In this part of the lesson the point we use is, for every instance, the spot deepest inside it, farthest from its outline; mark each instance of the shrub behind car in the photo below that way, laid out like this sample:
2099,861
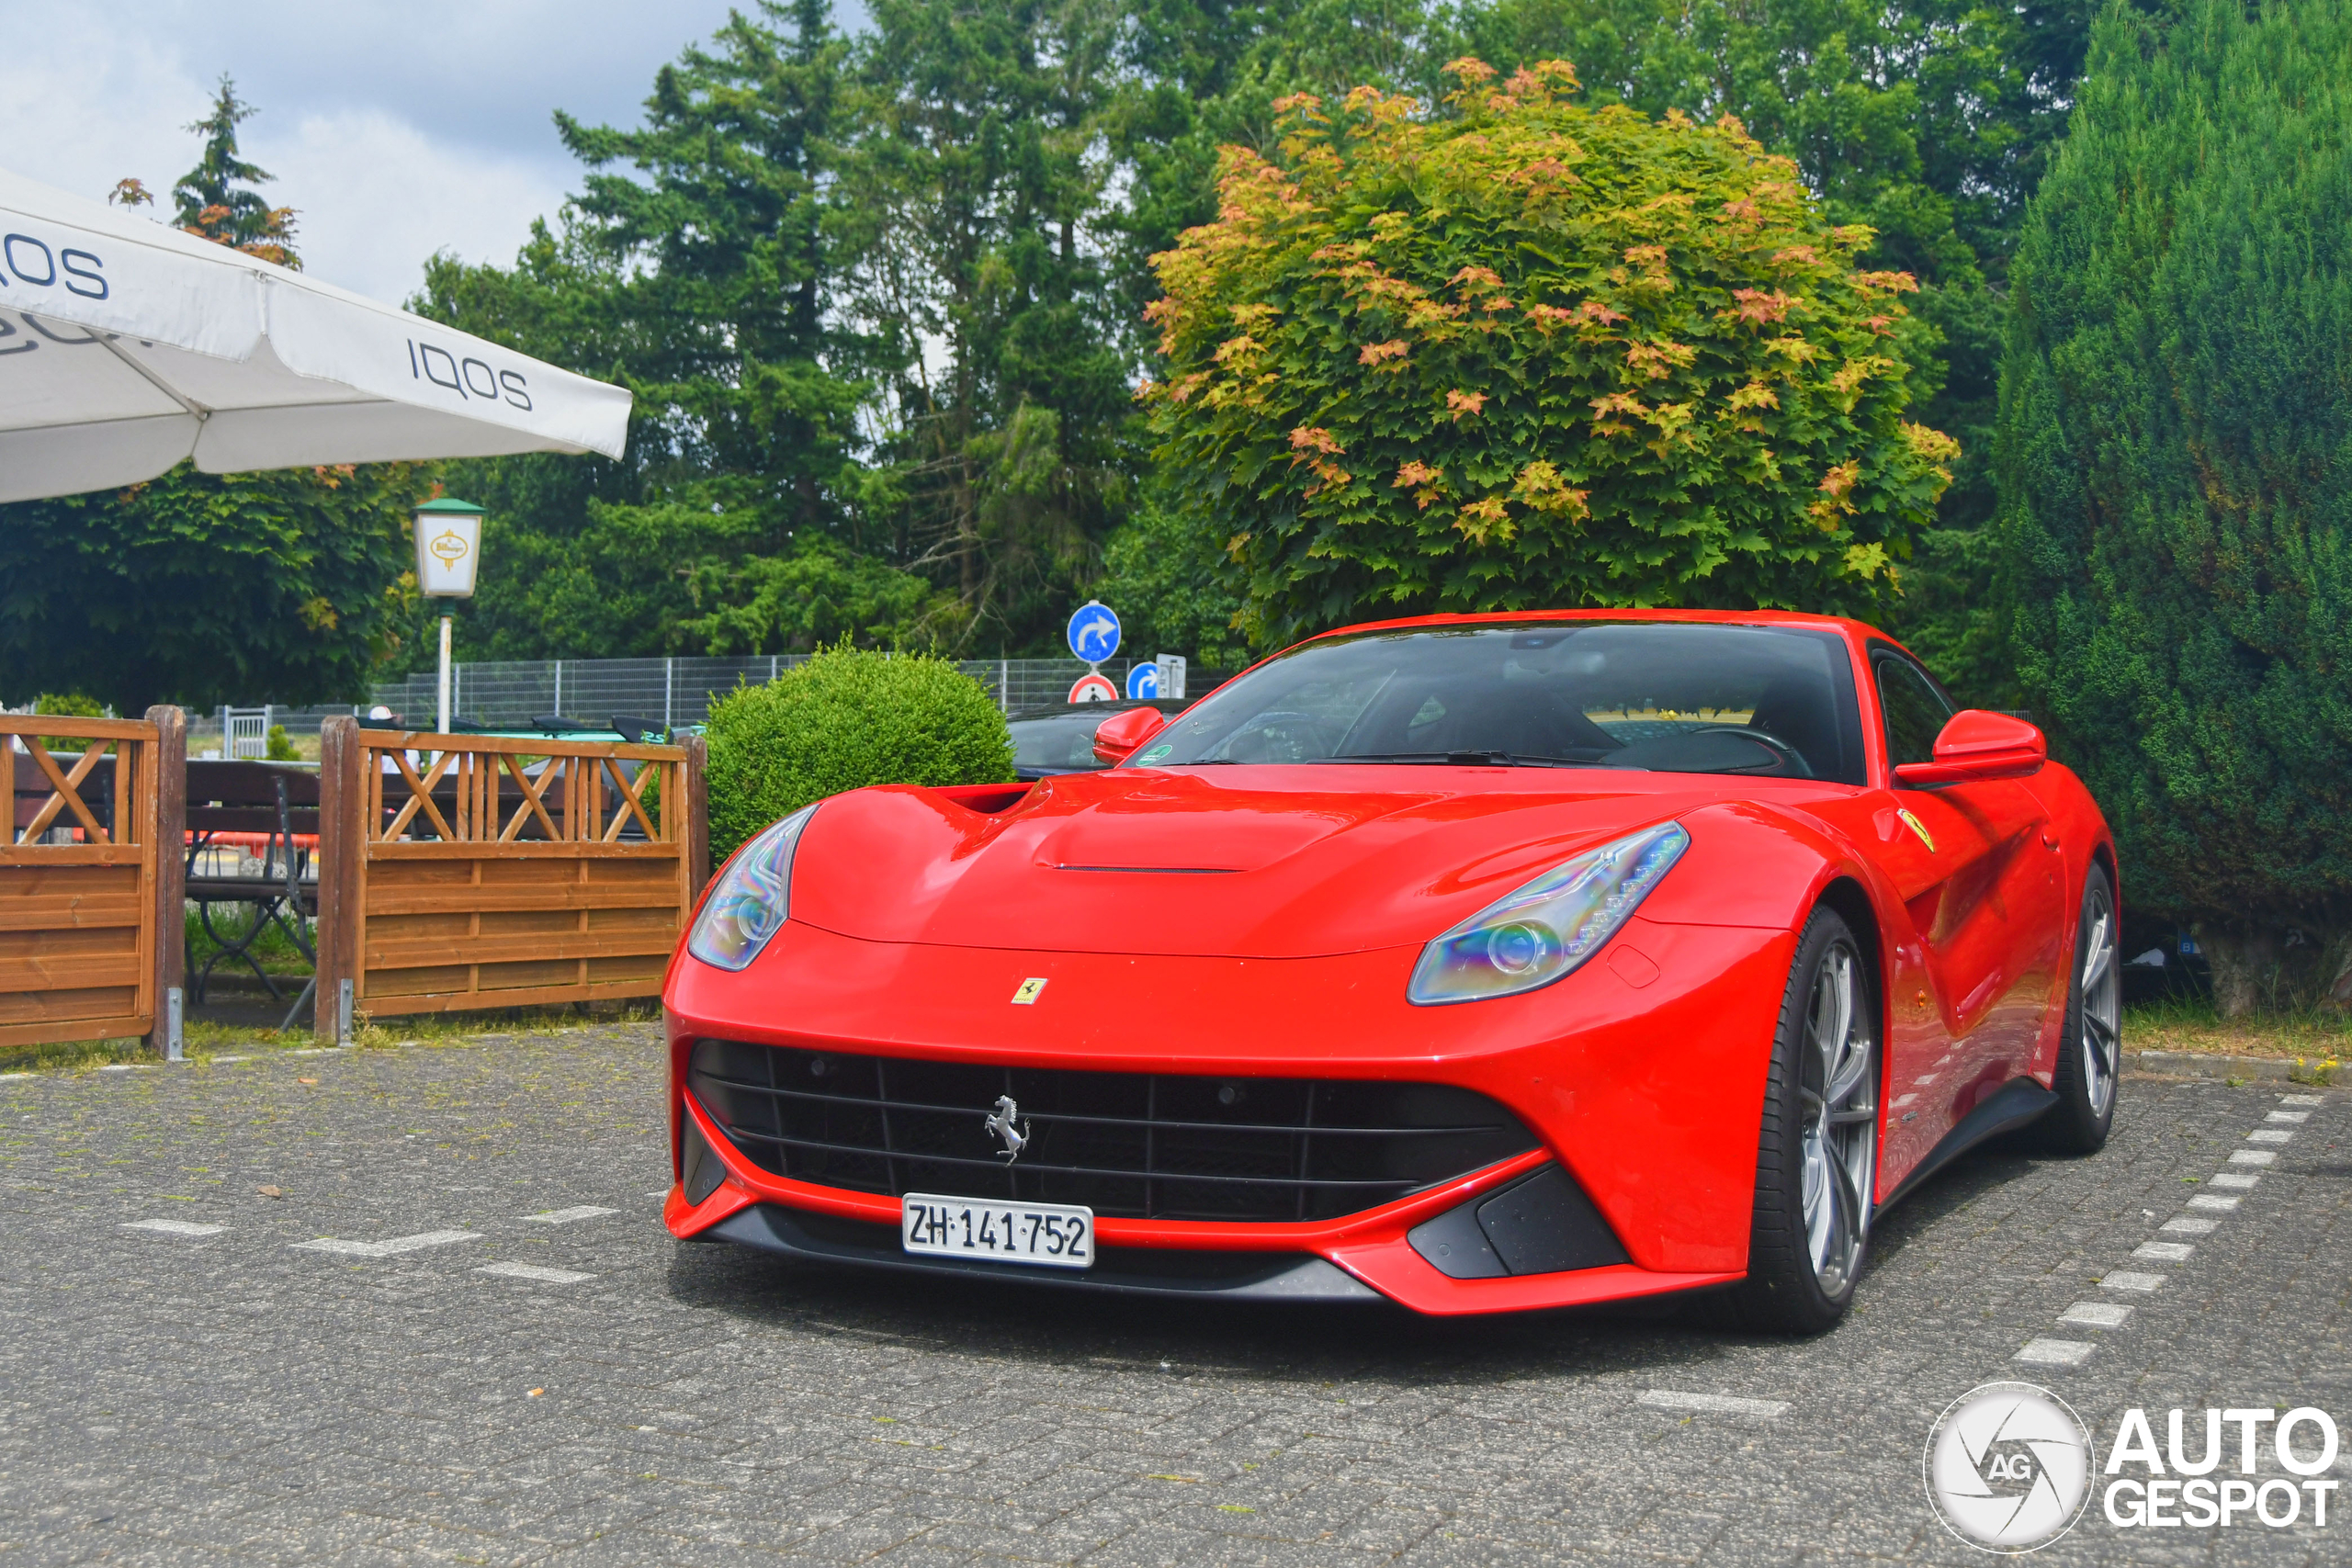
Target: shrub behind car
844,719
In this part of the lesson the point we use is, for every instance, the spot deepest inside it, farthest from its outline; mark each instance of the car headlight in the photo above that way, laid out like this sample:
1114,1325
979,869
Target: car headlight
753,895
1549,927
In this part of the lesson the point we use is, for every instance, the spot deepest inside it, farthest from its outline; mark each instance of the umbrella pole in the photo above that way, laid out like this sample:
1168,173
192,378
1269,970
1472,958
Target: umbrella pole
444,716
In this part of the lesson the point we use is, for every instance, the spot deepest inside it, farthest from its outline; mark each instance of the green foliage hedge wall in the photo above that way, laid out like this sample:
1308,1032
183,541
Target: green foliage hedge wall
2176,473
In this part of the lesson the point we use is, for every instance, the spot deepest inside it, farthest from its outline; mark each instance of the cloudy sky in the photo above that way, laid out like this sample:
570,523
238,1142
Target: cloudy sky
395,130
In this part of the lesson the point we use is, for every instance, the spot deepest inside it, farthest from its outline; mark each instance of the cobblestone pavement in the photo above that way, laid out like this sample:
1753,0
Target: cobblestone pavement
535,1371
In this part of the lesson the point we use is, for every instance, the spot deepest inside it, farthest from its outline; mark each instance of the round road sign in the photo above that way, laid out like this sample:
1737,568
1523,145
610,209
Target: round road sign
1093,632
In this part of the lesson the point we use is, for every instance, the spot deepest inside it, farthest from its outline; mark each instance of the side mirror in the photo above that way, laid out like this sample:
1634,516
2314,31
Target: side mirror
1120,736
1977,746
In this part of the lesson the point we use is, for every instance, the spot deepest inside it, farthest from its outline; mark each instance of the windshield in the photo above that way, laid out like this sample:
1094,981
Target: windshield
1058,741
1666,696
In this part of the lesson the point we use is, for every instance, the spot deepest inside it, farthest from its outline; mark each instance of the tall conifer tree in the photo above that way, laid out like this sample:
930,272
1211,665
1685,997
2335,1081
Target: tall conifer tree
2176,474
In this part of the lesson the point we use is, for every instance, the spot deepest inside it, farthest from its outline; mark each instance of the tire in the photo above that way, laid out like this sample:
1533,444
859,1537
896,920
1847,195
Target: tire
2090,1045
1816,1157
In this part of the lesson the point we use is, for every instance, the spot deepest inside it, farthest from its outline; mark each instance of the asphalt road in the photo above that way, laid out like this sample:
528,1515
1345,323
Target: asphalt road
537,1372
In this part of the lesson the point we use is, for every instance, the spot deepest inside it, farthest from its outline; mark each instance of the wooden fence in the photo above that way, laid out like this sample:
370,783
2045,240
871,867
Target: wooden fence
90,929
474,871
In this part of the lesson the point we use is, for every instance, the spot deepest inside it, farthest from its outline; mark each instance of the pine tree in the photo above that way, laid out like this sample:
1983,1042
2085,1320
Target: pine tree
974,194
2176,476
696,267
213,200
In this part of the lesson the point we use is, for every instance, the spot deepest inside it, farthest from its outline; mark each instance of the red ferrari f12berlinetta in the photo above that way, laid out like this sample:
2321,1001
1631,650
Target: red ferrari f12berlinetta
1478,962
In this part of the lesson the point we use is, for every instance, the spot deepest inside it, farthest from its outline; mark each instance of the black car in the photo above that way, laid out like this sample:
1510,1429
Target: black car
1060,739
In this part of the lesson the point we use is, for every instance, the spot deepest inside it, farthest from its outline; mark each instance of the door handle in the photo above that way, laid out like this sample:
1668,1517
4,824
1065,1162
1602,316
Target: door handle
2049,839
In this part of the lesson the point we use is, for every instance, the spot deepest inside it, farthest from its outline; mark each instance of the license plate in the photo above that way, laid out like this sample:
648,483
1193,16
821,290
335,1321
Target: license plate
1054,1235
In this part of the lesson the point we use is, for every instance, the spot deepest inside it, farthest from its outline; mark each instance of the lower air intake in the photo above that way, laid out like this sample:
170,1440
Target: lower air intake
1132,1145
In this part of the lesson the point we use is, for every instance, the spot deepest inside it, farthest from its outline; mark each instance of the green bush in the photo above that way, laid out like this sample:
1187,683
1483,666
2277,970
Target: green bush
70,705
281,746
844,719
2175,469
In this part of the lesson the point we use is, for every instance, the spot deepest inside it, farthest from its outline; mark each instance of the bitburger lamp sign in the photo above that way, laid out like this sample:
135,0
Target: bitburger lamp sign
449,547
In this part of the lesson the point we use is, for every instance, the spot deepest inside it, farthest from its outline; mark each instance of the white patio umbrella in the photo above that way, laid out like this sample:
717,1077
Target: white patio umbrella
127,345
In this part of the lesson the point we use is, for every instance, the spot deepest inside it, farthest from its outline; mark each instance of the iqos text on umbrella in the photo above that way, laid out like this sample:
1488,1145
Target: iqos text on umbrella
26,257
431,362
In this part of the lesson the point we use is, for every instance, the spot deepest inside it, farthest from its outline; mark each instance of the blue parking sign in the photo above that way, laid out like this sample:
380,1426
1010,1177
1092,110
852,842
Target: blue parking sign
1143,680
1093,632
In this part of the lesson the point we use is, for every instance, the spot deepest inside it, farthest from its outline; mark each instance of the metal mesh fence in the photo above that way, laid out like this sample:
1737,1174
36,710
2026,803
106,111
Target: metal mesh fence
680,691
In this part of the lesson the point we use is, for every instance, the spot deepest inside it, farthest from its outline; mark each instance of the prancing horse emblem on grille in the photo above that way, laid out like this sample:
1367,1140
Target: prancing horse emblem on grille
999,1125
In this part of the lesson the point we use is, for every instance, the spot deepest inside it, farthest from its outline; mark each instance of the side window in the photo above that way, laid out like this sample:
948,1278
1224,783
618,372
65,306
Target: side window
1913,710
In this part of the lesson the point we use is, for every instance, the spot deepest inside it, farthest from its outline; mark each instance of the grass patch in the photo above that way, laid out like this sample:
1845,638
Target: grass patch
273,948
2319,1035
203,1040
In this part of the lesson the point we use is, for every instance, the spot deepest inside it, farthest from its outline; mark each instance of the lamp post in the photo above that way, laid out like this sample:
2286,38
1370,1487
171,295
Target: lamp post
449,547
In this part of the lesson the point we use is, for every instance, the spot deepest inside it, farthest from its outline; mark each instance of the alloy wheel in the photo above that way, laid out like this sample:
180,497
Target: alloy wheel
2101,987
1838,1090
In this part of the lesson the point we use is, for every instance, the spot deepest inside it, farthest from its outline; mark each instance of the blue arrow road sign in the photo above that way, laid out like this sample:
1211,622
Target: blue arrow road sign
1143,681
1093,632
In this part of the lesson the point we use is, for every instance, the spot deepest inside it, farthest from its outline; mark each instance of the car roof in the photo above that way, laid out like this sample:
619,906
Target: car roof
1853,631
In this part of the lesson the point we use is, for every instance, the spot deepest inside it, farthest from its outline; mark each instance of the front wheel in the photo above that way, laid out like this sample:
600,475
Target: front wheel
1816,1157
2090,1045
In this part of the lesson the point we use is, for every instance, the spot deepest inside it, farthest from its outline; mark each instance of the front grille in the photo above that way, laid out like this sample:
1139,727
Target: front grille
1134,1145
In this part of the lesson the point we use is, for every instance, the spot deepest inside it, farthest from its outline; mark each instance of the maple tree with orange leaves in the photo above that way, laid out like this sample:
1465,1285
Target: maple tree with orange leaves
1570,356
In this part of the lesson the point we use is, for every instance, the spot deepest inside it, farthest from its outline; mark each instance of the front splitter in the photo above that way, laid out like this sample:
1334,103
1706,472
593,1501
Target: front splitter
1130,1271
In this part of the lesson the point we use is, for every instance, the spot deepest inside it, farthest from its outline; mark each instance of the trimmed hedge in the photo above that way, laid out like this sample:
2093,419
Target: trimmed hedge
844,719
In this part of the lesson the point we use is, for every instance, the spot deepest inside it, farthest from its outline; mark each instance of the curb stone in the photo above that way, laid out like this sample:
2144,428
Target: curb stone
2202,1064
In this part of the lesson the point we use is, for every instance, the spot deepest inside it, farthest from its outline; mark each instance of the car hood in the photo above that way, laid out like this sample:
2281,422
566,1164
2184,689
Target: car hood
1233,862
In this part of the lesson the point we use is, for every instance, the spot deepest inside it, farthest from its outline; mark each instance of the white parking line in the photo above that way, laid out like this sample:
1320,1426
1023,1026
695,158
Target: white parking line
565,1217
2097,1314
533,1271
2113,1314
1720,1404
388,1248
174,1227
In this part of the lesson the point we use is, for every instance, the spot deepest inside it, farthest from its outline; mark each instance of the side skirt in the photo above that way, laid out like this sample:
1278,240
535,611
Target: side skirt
2011,1106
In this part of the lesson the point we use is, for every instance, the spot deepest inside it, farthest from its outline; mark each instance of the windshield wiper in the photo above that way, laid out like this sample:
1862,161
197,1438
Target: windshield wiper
1465,759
